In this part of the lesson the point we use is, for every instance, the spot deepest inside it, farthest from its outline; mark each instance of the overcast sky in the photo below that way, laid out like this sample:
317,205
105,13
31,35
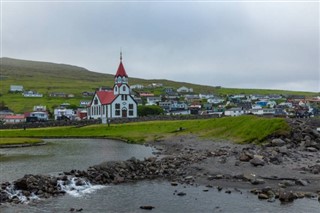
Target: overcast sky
273,45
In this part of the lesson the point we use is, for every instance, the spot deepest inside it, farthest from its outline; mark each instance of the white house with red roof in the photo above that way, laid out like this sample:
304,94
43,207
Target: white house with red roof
116,103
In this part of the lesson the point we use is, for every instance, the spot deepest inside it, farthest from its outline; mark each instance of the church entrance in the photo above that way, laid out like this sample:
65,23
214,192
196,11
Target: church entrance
124,112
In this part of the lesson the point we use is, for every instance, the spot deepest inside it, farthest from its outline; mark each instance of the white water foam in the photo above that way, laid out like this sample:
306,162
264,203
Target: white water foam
17,193
73,188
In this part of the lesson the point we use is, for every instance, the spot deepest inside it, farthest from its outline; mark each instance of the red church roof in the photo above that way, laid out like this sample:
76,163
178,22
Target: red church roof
106,97
121,71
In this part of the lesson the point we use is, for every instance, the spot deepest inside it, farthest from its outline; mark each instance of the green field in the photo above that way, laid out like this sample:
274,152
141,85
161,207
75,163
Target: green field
46,78
243,129
12,141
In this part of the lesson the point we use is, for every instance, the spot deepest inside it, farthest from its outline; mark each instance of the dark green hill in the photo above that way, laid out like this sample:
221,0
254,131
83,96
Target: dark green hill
46,78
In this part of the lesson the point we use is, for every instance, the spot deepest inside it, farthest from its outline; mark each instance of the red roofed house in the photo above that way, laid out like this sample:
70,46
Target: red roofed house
12,119
116,103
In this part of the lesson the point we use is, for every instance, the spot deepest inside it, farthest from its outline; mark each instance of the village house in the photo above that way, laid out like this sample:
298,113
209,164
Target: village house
234,112
153,100
84,103
32,94
116,103
58,94
215,100
39,113
195,109
178,106
184,89
146,94
12,119
206,96
165,105
62,113
86,93
16,88
137,86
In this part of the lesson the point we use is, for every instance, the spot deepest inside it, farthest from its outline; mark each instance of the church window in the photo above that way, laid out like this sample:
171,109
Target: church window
130,109
124,97
95,101
117,109
124,88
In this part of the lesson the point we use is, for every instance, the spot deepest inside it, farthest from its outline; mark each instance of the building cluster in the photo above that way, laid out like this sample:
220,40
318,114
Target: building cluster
174,102
122,101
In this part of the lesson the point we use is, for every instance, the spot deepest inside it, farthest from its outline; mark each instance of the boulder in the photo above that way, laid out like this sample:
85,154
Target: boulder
286,196
278,142
257,161
245,157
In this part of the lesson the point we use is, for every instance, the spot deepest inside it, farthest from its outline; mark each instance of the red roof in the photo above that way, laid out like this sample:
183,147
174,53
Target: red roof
106,97
14,117
121,71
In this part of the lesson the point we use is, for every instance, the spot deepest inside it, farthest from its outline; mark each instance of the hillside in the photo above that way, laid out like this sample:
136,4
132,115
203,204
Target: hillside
46,78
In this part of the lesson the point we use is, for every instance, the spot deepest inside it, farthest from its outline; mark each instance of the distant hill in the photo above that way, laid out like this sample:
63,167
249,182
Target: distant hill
45,78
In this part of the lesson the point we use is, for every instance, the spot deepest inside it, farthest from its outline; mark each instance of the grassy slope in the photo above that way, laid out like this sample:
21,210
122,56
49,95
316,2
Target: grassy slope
49,77
244,129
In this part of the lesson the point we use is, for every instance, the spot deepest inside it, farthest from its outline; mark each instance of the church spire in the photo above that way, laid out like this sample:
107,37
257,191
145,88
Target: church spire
121,71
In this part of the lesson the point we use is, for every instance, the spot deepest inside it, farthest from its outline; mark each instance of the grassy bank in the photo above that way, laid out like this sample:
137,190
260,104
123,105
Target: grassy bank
244,129
13,141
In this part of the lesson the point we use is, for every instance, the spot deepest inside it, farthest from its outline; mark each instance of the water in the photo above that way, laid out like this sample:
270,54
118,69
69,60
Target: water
129,198
64,155
79,154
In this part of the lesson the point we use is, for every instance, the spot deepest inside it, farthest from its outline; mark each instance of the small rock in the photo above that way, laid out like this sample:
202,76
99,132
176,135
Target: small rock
311,149
263,196
219,176
278,142
271,199
147,207
285,196
257,161
174,183
257,181
188,178
181,194
302,182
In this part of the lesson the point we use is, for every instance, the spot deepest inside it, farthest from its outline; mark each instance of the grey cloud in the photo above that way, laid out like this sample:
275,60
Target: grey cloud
252,45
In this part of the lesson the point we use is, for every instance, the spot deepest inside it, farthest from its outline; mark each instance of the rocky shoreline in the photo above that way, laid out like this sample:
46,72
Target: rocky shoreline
285,168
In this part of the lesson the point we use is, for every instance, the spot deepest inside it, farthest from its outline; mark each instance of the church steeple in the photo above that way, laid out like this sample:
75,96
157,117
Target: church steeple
121,80
121,71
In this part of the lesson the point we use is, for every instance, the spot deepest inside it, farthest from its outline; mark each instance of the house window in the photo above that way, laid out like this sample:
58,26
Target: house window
130,109
95,101
117,109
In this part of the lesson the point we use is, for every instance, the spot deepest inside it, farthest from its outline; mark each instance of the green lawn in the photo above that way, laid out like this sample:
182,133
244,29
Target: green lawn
243,129
11,141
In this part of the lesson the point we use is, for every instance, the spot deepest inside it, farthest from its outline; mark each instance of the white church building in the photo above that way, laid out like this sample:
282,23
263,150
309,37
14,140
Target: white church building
116,103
